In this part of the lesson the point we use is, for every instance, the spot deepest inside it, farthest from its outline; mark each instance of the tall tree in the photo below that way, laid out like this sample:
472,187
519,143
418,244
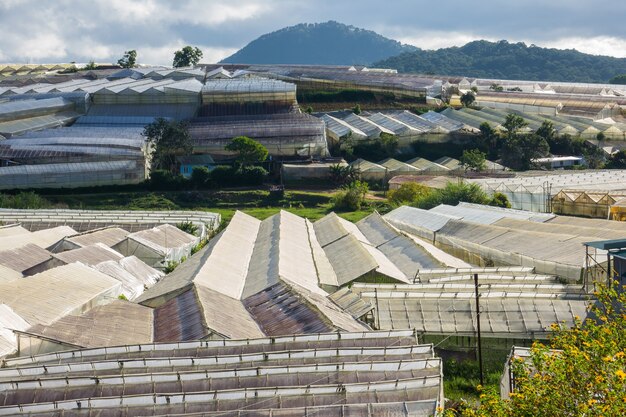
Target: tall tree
186,57
513,123
249,151
169,139
468,99
518,151
129,60
473,159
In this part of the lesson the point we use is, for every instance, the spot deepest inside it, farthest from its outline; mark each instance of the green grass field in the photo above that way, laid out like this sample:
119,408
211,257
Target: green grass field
258,203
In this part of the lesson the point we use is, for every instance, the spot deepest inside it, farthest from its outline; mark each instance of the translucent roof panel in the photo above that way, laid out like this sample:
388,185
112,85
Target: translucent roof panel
443,121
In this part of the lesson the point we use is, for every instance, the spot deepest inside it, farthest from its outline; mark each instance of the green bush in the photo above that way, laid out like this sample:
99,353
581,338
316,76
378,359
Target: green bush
500,200
200,177
152,202
225,176
408,193
188,227
452,194
351,197
164,180
24,200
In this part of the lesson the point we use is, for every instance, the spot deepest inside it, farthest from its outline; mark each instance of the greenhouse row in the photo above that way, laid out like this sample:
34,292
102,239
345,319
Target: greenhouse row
535,192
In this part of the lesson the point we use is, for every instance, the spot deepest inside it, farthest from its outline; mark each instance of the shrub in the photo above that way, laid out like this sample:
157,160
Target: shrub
500,200
152,202
408,193
452,194
165,180
188,227
225,176
351,197
200,177
24,200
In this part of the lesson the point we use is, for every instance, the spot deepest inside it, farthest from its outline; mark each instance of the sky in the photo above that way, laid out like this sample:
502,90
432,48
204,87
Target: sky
51,31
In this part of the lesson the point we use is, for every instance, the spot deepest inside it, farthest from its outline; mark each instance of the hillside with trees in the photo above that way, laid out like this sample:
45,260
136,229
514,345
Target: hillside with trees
329,43
506,60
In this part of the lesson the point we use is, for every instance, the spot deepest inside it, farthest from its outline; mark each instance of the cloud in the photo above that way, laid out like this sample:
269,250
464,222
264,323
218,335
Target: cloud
75,30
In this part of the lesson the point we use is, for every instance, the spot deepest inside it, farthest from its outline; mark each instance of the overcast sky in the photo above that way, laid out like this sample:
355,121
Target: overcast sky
45,31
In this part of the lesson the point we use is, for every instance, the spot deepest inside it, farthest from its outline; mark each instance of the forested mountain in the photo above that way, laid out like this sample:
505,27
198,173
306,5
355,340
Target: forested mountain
509,61
329,43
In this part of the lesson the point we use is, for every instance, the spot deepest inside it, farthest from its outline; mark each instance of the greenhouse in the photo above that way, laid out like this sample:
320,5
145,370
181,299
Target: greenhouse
450,309
598,204
247,97
426,166
395,167
291,134
535,192
87,220
370,171
371,129
364,373
337,129
71,175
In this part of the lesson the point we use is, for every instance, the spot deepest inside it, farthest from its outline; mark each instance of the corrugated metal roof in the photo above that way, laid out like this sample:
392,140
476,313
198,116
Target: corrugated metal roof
179,319
411,219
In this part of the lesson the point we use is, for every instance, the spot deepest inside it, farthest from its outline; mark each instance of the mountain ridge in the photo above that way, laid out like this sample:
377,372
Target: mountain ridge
328,43
333,43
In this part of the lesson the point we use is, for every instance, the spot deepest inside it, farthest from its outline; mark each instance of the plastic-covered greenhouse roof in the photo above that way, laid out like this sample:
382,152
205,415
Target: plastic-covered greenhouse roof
426,165
249,85
394,166
416,122
57,291
448,162
398,128
72,174
371,129
443,121
341,128
52,152
516,314
369,373
477,213
168,111
411,219
365,166
20,126
605,180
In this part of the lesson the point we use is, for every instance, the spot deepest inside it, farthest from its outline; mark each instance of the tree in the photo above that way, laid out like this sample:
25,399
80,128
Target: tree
468,99
489,140
408,193
584,374
513,123
618,79
168,139
357,109
518,151
500,200
91,65
389,143
618,160
129,60
344,174
249,151
186,57
351,197
474,160
547,131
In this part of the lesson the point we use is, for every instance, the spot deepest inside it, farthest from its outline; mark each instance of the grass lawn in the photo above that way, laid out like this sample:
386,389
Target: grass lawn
258,203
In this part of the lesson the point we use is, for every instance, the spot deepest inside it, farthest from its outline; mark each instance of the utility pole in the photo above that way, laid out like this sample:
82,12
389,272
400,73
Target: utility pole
480,349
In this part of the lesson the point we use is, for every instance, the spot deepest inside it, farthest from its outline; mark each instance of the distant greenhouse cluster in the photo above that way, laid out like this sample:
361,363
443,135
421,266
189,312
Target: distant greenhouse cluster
85,128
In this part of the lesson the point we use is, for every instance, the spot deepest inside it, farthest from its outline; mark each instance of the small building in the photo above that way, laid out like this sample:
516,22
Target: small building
188,163
559,162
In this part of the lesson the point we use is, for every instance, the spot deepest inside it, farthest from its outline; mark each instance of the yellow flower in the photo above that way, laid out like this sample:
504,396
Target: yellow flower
607,359
619,355
621,374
